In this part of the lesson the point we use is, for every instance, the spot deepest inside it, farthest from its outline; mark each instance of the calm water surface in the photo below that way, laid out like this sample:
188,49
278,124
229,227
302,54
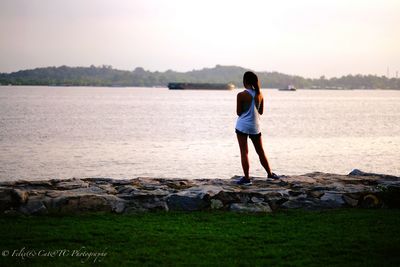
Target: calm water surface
64,132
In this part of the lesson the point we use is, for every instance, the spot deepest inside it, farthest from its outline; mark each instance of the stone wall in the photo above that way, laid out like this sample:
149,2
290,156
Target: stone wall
310,191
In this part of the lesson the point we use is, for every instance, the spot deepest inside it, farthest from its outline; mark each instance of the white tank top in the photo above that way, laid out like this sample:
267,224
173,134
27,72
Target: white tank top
249,121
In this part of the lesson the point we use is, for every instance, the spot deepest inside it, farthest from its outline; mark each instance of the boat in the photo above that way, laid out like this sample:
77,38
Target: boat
290,87
201,86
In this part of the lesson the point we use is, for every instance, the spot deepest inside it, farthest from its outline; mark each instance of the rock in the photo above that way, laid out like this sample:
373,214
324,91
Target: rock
301,179
79,203
315,193
11,198
187,201
53,194
126,189
179,184
90,190
194,198
71,184
350,201
354,195
38,192
134,207
146,203
36,184
307,204
143,195
322,188
276,203
93,203
148,187
250,207
296,204
356,172
34,206
109,181
228,197
332,200
132,195
158,192
108,188
257,200
63,204
295,193
216,204
370,201
205,190
295,185
117,182
8,183
21,195
283,183
118,206
274,195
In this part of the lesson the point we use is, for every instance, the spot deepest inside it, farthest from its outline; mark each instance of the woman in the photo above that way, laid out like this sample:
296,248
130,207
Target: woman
249,107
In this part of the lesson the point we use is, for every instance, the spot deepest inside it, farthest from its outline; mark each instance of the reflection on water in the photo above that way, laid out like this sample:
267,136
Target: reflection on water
60,132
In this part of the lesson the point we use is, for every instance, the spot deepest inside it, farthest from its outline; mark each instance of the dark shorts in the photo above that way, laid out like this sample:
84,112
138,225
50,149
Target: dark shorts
251,136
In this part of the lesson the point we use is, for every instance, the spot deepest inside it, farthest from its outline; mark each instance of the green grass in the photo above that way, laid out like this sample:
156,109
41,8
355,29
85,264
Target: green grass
346,237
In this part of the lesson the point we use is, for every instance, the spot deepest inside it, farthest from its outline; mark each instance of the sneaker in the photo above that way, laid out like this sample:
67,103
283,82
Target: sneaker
244,181
273,176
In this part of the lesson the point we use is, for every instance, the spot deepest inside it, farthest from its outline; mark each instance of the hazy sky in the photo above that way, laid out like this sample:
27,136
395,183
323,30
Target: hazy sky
304,37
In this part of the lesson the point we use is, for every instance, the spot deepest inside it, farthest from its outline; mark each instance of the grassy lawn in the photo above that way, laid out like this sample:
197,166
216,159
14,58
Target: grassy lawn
346,237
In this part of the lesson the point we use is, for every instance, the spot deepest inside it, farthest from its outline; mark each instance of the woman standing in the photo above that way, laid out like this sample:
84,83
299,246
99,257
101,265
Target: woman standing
249,107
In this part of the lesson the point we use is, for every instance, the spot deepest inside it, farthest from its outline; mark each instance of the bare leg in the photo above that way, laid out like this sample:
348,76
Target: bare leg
244,151
257,142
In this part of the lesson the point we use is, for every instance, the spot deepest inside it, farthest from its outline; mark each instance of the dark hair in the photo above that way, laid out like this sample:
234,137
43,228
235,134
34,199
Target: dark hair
251,78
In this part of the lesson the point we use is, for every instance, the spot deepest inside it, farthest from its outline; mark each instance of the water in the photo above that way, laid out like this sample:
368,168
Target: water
64,132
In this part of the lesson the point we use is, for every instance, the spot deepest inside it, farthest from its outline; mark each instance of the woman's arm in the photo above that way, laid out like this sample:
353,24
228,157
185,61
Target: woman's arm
239,104
261,109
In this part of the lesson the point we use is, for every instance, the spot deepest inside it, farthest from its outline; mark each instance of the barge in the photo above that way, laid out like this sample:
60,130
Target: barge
201,86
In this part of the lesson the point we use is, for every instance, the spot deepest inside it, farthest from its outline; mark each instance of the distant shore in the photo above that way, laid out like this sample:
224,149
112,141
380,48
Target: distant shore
107,76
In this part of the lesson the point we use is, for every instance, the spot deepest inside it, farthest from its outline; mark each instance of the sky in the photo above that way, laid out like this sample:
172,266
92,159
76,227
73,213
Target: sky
301,37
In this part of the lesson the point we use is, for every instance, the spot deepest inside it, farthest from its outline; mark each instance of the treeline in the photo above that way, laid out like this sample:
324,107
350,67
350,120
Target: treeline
107,76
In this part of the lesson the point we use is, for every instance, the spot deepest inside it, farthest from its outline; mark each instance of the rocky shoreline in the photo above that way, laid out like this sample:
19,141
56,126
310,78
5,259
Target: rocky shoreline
313,191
